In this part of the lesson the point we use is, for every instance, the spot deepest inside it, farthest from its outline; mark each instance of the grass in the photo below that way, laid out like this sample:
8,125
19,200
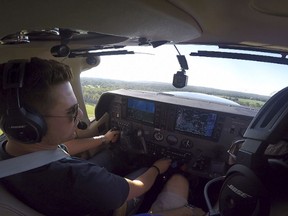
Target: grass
251,102
90,110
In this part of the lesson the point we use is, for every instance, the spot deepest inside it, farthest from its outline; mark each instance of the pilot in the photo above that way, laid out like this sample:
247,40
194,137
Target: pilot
37,100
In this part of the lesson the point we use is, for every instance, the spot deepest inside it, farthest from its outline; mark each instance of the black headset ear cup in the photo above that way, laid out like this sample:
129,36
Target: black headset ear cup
24,125
243,194
19,122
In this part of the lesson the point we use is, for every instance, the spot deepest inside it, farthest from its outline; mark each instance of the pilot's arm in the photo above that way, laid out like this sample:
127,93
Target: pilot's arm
77,146
145,181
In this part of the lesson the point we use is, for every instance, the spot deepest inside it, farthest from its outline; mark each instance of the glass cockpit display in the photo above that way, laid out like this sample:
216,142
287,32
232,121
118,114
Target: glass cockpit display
141,110
195,122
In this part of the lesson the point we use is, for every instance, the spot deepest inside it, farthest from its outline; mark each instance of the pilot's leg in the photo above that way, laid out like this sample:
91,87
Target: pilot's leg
174,194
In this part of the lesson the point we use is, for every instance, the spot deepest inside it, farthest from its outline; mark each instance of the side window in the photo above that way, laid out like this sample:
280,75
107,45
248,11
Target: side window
92,89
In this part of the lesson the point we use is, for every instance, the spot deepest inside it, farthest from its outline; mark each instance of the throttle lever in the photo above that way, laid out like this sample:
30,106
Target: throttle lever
142,140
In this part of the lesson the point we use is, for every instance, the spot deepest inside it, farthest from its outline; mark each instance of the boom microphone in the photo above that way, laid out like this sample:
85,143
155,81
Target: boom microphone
82,125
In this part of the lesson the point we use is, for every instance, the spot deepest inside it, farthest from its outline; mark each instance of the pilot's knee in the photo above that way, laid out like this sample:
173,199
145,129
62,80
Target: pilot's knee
177,184
178,179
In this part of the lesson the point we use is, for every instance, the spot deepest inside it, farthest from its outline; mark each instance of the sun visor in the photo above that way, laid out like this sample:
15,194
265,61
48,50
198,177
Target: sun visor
275,7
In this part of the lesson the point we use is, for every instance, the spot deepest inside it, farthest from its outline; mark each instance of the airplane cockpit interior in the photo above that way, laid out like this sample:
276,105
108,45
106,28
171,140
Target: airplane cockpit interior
161,125
202,83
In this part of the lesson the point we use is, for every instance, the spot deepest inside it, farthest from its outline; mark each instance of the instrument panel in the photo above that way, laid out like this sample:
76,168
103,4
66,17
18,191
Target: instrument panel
196,132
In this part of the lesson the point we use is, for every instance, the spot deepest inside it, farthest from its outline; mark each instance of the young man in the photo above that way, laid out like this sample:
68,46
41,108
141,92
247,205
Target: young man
39,96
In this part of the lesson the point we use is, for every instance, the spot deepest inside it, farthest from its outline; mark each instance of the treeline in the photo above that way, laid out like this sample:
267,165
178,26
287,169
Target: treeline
94,87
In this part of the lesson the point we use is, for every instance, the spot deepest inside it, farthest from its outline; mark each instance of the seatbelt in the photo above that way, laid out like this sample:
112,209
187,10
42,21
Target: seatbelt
30,161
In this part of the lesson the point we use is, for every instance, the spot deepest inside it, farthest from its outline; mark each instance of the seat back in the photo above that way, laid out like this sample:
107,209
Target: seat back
247,186
11,206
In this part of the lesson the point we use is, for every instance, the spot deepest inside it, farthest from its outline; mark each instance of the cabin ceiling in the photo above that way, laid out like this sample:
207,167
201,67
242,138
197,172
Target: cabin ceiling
93,24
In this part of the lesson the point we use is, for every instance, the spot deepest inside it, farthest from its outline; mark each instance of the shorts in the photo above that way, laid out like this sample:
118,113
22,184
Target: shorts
167,200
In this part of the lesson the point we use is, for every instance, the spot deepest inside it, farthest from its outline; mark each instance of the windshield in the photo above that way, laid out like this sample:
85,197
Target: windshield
248,83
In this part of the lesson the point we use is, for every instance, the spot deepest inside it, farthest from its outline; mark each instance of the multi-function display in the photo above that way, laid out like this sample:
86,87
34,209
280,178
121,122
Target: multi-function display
195,122
141,110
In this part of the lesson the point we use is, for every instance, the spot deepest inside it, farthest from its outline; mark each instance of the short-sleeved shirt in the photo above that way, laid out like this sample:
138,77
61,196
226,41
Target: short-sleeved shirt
70,186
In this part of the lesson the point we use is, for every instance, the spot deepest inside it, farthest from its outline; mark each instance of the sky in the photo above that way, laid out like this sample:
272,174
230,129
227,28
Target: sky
160,64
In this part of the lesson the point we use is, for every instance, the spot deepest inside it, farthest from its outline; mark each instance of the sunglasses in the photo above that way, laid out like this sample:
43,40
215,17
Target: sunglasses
72,112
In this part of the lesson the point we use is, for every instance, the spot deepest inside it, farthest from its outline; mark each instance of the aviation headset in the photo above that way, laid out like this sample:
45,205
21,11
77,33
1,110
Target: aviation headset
244,191
19,122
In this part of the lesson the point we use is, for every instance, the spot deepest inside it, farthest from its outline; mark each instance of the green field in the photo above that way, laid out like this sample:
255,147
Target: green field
93,88
251,102
90,110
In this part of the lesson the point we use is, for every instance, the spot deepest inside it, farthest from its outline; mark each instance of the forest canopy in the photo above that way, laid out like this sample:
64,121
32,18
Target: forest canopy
93,88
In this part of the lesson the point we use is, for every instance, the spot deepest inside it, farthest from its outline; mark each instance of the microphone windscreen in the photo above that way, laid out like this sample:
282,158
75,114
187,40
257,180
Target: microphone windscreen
82,125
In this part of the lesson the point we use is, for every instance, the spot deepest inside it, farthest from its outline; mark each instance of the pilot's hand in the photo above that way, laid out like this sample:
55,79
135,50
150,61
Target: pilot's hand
163,164
112,136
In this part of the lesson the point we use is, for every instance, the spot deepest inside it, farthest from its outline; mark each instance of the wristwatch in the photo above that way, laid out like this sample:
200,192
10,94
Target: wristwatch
103,139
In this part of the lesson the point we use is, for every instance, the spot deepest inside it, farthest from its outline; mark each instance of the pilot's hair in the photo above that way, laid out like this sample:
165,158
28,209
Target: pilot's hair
40,76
